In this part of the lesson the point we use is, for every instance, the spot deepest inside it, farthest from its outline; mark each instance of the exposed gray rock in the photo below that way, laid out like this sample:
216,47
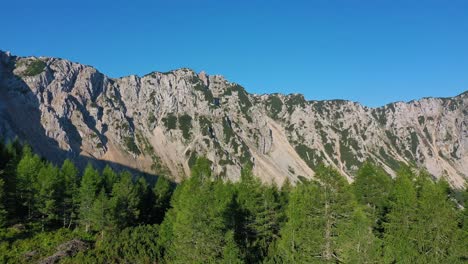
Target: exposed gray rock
159,122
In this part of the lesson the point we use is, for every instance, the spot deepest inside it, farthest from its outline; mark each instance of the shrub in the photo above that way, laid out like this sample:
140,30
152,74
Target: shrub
35,67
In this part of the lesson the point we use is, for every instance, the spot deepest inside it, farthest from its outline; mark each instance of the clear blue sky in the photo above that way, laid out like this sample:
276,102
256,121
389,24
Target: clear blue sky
373,52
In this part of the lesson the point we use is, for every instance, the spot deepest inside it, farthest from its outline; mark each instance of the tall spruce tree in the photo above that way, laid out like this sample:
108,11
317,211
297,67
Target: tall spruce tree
47,194
315,212
125,201
70,199
89,189
162,191
27,170
259,216
356,241
3,211
372,187
436,233
398,244
100,215
198,222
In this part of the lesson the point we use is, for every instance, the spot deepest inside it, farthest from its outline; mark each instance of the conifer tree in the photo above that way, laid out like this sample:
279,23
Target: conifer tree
398,245
125,201
356,241
109,178
162,191
3,211
70,199
436,232
11,155
372,188
314,213
89,188
260,216
27,170
198,224
302,236
46,194
100,216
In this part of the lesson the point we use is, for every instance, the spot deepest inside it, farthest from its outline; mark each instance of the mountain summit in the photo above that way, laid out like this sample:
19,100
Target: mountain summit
161,122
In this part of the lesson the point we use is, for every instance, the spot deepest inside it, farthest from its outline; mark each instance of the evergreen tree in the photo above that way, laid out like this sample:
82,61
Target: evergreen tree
27,170
11,155
436,232
162,191
315,212
372,188
70,199
3,211
146,205
89,188
302,236
46,194
231,253
356,241
198,224
125,201
109,178
260,216
100,216
398,245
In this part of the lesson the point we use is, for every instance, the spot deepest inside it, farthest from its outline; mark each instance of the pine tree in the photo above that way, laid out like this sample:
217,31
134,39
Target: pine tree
3,211
302,236
231,252
100,216
146,205
46,194
372,187
11,155
198,223
260,216
314,213
109,178
398,245
436,232
125,201
356,241
27,170
70,199
89,188
163,192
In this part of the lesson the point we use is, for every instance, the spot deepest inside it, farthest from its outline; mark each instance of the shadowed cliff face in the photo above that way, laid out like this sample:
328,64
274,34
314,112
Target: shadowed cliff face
160,122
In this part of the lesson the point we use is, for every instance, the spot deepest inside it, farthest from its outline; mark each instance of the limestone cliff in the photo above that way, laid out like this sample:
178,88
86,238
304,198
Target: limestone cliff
160,122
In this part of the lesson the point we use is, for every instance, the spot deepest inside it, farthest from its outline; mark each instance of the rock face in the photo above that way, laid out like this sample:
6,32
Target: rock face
160,122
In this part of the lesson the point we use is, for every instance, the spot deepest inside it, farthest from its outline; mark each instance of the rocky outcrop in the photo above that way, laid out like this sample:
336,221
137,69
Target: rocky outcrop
160,122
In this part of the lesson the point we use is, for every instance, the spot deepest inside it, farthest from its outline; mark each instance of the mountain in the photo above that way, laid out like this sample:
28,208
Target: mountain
160,122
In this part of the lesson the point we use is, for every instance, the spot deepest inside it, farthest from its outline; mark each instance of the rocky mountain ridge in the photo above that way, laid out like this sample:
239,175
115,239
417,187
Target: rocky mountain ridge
160,122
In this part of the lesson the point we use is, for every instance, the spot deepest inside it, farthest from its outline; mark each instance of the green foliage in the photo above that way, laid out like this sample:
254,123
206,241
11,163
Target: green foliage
207,94
227,130
131,245
34,67
295,100
411,219
244,100
312,158
185,124
372,187
259,217
131,145
125,200
274,106
89,189
170,121
3,212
